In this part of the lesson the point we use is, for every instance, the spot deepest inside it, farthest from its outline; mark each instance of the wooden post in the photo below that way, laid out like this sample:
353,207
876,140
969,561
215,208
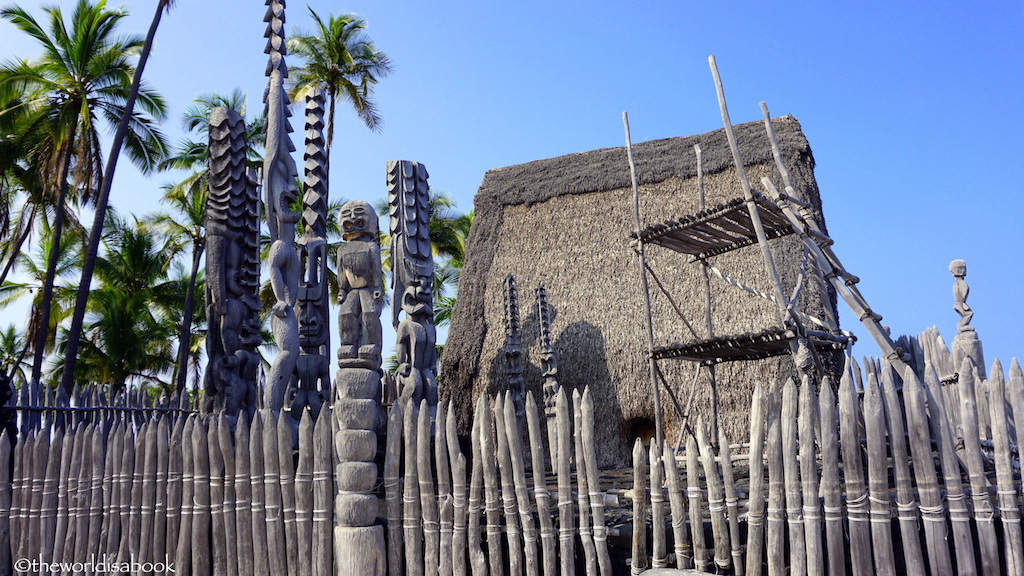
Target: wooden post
731,501
392,490
756,503
853,471
582,497
700,549
163,433
458,464
5,500
565,523
983,514
477,560
659,557
200,549
791,471
243,498
593,481
219,545
147,516
260,546
174,476
286,436
549,543
227,454
323,496
639,551
508,495
878,480
276,550
515,445
1006,490
809,477
411,496
428,495
776,488
304,495
444,493
492,498
716,498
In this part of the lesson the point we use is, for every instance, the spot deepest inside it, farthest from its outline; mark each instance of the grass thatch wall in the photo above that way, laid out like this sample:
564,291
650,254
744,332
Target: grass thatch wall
565,222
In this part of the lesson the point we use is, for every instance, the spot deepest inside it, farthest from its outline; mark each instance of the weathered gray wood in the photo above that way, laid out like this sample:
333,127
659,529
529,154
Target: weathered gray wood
444,494
458,466
163,434
582,491
508,495
323,497
218,540
515,447
932,508
81,538
202,560
983,513
125,493
276,548
261,561
392,491
411,496
959,515
227,454
147,515
906,505
5,499
791,473
853,472
1015,396
48,525
17,494
286,473
477,560
182,558
731,502
566,552
174,473
593,481
304,495
1006,490
40,447
878,479
776,487
716,497
428,495
809,477
659,557
492,498
700,549
677,507
111,491
548,540
756,503
243,497
63,500
638,554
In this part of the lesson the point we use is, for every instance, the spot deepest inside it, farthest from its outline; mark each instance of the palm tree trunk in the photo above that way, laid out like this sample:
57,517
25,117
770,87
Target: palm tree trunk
185,337
46,302
16,248
67,381
330,126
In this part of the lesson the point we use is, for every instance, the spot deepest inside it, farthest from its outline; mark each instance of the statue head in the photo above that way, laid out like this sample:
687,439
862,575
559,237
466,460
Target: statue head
357,218
958,268
417,300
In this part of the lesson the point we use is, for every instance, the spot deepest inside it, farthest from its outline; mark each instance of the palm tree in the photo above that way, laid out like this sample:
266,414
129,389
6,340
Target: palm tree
127,135
339,58
84,72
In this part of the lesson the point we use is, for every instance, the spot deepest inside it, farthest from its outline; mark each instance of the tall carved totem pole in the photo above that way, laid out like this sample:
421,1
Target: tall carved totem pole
281,194
232,271
412,276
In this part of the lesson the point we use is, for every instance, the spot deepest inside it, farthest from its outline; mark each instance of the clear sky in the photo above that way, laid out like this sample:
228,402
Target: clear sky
911,110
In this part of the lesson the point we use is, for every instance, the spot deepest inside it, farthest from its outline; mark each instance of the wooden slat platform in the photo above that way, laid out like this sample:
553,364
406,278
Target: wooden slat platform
751,346
718,230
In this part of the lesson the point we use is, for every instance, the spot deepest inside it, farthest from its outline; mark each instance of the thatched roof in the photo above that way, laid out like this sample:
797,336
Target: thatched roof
565,222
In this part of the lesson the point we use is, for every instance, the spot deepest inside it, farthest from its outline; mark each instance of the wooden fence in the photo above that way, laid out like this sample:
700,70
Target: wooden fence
873,476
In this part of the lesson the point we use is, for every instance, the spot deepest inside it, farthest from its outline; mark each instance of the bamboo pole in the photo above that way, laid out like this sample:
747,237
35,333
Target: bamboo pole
565,524
906,505
756,503
878,480
932,508
638,562
243,498
1006,490
515,444
304,495
549,543
428,495
593,481
582,491
392,491
809,478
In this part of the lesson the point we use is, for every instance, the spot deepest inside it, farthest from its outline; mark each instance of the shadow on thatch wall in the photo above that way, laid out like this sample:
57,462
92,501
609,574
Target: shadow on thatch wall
565,222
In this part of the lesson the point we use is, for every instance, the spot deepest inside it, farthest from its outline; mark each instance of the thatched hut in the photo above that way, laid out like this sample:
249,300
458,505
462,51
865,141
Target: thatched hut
565,223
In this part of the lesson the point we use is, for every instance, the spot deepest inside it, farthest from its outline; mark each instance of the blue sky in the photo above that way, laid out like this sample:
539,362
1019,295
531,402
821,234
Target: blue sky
912,110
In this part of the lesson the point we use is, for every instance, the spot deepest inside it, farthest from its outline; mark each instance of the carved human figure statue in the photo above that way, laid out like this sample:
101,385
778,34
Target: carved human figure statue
960,292
414,348
284,269
360,287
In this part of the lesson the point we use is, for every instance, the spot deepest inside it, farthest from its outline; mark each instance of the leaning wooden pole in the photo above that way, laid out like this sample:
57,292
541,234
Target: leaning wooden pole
658,424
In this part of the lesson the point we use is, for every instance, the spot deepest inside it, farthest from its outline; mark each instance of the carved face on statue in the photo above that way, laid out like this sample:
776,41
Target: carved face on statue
356,219
417,300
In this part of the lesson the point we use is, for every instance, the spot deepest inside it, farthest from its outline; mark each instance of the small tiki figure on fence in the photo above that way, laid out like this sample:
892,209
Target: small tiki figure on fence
360,287
960,292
